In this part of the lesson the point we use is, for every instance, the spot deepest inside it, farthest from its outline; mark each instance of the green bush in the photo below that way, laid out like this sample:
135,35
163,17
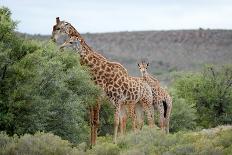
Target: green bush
41,88
5,140
183,115
106,118
40,144
147,141
153,141
105,149
211,93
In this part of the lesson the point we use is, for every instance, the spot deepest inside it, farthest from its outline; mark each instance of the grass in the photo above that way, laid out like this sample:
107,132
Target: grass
145,142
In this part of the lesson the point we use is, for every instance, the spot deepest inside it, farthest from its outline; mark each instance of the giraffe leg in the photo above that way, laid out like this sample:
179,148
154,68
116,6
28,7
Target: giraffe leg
161,115
123,124
149,112
167,125
96,121
91,125
139,114
132,114
167,120
116,121
123,118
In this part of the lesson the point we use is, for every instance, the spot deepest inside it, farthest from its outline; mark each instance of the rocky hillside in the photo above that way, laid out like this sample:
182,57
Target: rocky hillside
166,50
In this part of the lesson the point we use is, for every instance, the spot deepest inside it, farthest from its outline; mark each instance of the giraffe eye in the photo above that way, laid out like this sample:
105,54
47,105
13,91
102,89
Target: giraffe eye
58,28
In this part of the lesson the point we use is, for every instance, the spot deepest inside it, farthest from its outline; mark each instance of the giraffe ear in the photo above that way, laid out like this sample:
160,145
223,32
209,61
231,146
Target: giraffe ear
57,20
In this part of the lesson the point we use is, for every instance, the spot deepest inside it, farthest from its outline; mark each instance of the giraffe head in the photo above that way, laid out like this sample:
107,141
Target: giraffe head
58,29
74,42
62,28
143,67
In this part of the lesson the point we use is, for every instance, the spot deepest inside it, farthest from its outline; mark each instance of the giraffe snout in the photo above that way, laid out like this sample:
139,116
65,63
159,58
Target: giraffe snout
143,72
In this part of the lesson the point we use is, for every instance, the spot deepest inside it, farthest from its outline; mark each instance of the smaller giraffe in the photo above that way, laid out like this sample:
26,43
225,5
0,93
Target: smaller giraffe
161,99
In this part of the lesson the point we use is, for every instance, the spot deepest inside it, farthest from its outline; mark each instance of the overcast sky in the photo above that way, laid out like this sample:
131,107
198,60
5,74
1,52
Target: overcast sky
38,16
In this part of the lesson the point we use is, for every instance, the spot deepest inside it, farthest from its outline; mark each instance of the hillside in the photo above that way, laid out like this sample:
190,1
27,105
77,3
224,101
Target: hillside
167,51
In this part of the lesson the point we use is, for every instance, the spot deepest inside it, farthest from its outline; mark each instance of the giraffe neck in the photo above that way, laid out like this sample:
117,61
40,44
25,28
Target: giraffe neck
149,78
71,31
115,67
87,49
90,59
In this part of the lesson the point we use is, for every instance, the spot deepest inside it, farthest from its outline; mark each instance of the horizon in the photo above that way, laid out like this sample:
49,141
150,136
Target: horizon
204,29
38,17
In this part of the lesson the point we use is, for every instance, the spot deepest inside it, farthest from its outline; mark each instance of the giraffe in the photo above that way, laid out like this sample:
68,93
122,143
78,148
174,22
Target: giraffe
72,32
135,110
112,77
161,99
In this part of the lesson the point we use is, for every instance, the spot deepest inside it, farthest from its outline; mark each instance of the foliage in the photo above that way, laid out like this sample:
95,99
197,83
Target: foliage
105,149
41,88
147,141
183,115
40,144
152,141
211,93
106,118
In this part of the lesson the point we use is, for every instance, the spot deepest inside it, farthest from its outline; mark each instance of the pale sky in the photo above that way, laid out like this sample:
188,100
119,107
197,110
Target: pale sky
38,16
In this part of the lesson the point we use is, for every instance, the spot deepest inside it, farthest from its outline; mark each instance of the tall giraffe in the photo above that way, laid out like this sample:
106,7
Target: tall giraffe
67,28
161,99
112,77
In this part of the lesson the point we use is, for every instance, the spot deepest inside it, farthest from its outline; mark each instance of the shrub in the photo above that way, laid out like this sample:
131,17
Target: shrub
147,141
183,115
106,118
211,93
40,144
153,141
41,88
105,149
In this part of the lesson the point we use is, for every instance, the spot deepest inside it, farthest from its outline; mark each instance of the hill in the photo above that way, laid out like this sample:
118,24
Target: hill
174,50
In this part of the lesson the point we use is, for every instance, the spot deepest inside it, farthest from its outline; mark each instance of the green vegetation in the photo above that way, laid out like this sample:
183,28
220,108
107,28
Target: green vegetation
45,95
183,115
39,143
42,89
210,91
148,141
151,141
